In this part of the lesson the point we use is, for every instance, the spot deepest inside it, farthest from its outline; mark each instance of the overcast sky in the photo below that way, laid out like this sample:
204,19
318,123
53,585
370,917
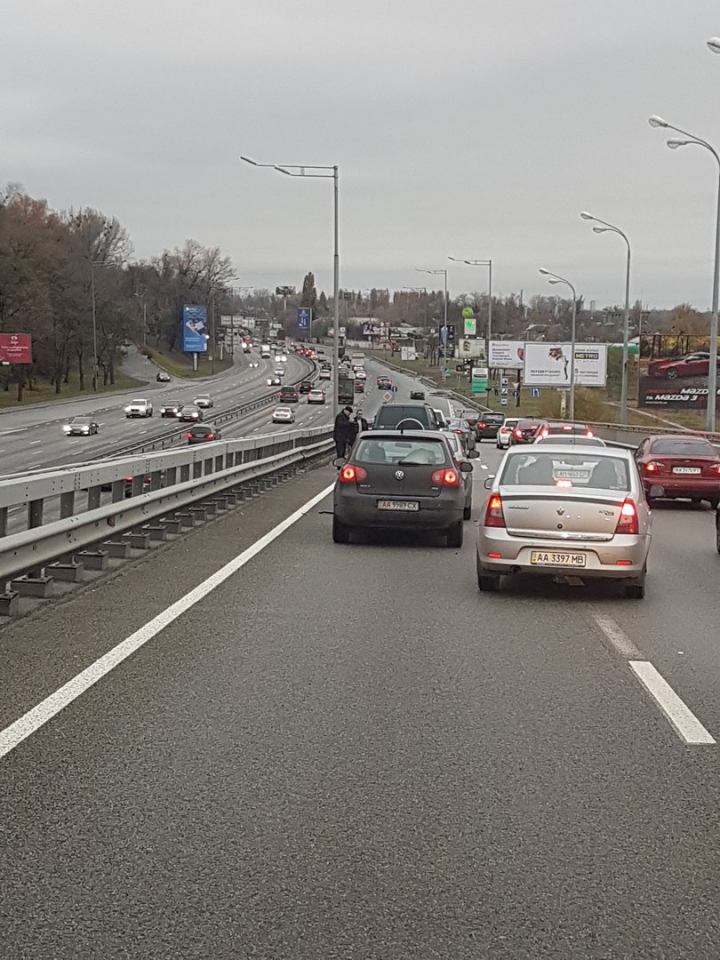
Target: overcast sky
470,128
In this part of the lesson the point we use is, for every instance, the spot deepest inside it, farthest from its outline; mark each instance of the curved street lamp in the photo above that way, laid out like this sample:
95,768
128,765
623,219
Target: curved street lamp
606,227
555,278
674,143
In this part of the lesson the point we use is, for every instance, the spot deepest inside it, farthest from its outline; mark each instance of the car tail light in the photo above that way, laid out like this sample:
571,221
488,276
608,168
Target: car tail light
545,432
518,434
189,436
589,433
623,563
652,466
628,520
564,483
495,556
352,474
446,478
494,514
459,432
715,468
481,425
211,436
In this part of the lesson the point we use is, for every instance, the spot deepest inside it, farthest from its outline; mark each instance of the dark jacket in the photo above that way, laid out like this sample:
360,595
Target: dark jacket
344,429
361,424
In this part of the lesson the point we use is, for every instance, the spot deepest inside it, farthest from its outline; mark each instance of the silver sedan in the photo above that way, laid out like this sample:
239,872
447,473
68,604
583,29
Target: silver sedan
565,511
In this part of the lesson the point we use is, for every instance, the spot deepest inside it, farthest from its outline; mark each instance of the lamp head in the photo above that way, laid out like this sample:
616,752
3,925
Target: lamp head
656,121
675,143
545,272
714,44
587,216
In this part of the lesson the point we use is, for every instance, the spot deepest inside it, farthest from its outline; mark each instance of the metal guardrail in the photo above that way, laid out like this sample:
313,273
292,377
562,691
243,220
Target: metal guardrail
162,483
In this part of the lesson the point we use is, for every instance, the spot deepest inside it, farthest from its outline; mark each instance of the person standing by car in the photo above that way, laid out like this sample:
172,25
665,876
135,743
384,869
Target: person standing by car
344,431
361,423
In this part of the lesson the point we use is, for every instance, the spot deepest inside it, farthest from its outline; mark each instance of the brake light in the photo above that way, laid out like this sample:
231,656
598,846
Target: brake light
446,478
589,433
481,425
564,483
628,520
652,466
211,436
352,474
715,468
518,433
459,432
494,514
189,436
545,432
567,426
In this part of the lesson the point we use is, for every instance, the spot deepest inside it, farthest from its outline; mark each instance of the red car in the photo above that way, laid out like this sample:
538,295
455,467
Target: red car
673,368
683,466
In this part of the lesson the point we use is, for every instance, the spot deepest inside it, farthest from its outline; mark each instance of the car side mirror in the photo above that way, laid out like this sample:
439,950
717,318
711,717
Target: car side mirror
656,491
466,467
488,482
474,455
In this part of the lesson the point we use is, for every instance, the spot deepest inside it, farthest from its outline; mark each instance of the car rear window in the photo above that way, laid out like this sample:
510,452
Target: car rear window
390,415
683,448
587,468
399,451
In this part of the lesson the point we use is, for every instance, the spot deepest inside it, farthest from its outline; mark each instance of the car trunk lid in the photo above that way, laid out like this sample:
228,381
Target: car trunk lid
673,465
400,481
576,515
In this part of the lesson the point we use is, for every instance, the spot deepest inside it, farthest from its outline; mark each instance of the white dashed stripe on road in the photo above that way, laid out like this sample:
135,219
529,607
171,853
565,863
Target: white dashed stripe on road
678,713
41,714
681,717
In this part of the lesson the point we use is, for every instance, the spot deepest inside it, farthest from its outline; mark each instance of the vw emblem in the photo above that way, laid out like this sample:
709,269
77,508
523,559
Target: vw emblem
399,475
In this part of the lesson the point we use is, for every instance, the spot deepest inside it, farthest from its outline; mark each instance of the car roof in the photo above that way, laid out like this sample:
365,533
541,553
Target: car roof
387,433
565,448
675,436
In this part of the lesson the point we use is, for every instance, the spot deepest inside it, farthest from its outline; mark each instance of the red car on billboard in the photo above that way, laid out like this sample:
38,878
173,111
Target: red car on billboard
15,348
675,368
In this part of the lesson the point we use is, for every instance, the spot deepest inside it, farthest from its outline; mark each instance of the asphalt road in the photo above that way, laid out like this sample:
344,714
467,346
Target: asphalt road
32,438
349,752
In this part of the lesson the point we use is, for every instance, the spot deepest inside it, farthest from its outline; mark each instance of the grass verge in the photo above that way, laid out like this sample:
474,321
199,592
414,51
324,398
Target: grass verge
44,392
180,364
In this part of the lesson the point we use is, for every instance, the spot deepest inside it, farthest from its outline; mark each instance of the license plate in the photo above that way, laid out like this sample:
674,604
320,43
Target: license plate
687,470
557,559
409,506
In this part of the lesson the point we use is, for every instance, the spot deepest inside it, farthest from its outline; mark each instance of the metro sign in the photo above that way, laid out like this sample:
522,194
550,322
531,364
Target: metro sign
15,348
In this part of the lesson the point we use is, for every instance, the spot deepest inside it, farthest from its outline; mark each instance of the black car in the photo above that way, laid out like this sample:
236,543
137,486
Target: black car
417,394
202,432
488,423
409,416
290,394
81,427
171,409
527,431
306,386
163,377
400,480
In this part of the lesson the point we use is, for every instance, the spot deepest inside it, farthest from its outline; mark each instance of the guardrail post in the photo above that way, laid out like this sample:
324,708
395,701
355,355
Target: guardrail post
184,472
197,470
118,491
156,480
9,602
171,476
3,521
67,504
93,498
138,485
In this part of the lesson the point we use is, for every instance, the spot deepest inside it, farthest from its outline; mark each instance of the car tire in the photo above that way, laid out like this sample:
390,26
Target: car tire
487,582
340,531
713,501
635,589
671,373
467,512
454,535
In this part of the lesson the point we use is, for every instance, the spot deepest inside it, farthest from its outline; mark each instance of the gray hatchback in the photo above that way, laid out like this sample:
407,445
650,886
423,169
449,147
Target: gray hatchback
400,480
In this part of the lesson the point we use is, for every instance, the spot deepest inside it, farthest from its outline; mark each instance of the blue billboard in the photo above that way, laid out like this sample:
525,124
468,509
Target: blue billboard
304,316
195,337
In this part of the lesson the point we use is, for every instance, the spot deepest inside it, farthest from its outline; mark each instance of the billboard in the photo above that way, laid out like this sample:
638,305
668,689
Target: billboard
470,326
195,338
467,349
673,371
479,379
548,364
507,354
304,318
15,348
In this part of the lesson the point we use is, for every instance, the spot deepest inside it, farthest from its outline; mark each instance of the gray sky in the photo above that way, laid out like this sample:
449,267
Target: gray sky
471,128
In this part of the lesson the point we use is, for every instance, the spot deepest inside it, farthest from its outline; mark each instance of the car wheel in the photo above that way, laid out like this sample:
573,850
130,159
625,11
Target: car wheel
713,501
340,531
467,512
487,582
454,535
671,373
635,589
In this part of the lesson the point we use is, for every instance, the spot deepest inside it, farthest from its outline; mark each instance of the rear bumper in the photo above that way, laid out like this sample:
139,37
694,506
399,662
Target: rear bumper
685,487
361,510
601,558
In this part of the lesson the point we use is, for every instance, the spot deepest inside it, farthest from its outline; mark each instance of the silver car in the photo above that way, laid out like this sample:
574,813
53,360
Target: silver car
565,511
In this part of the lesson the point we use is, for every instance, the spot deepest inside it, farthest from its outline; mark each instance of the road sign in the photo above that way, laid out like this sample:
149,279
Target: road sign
394,388
304,317
387,396
467,312
504,381
503,401
470,326
503,391
479,379
516,394
535,392
15,348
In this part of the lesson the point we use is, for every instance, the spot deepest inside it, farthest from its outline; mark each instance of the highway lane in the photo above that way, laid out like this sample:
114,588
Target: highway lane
42,443
350,752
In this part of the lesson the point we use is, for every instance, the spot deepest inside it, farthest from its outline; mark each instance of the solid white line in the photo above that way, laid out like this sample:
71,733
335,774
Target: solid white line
678,713
21,729
33,442
622,643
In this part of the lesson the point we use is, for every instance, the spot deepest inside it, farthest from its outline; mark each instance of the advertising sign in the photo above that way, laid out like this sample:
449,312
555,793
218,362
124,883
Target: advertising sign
507,354
470,326
479,381
195,336
408,353
673,371
304,318
548,364
471,350
15,348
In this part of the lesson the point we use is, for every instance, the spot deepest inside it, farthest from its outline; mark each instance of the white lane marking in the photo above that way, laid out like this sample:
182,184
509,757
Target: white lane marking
684,721
34,466
33,442
620,640
48,708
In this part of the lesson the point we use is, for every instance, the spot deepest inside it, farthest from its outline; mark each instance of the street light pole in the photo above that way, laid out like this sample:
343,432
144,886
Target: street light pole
94,326
323,173
445,313
674,143
610,228
554,278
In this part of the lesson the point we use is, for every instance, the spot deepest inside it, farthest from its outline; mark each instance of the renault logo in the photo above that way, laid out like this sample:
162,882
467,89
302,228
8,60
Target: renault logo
560,511
399,475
